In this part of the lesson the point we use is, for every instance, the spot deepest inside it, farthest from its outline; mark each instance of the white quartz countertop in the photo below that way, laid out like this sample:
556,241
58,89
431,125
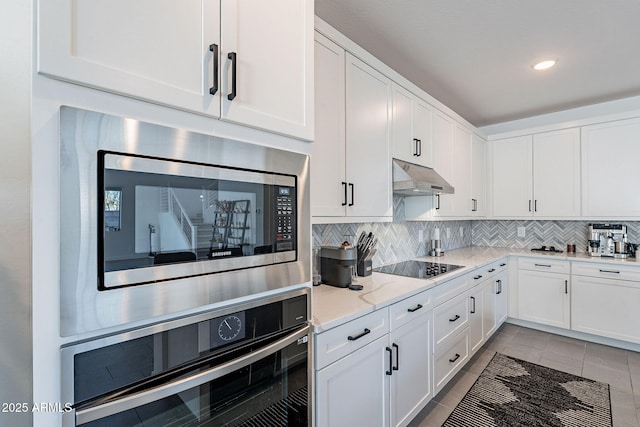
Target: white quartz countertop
332,306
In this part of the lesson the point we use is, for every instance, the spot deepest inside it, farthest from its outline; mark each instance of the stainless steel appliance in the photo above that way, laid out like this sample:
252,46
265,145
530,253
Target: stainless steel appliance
607,240
156,220
417,269
416,180
244,365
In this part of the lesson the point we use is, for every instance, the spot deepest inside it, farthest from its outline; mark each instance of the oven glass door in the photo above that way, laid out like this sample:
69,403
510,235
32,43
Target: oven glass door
268,386
162,219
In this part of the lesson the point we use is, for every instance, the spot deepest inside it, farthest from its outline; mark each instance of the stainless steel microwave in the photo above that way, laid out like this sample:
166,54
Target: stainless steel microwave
157,220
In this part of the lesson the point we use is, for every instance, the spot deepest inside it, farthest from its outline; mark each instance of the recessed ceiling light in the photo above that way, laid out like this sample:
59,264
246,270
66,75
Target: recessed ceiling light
543,65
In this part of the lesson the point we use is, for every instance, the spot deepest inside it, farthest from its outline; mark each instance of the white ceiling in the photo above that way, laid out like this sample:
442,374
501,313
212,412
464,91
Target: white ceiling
475,56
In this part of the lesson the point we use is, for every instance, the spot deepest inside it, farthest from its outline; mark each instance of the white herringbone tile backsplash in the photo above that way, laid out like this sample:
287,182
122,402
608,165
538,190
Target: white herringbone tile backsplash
399,240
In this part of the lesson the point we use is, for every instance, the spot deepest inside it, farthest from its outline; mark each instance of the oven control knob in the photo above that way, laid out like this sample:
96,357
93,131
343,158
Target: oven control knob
229,328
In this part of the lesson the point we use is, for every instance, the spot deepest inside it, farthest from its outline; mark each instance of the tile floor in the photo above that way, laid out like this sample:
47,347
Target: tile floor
620,368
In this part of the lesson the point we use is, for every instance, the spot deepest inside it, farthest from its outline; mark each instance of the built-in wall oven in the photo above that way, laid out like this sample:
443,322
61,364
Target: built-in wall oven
155,220
244,365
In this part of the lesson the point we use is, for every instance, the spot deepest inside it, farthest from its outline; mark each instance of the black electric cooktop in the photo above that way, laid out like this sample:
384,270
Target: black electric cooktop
417,269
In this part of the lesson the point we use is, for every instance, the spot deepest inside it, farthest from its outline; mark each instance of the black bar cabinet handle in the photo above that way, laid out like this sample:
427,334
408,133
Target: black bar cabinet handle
492,270
566,286
479,276
455,358
360,335
234,59
419,148
438,201
545,265
502,265
416,308
390,371
473,310
352,187
344,199
394,345
214,49
610,271
499,288
529,205
535,205
457,316
415,147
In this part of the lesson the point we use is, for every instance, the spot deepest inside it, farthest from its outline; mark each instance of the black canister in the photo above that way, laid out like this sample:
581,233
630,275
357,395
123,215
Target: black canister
336,263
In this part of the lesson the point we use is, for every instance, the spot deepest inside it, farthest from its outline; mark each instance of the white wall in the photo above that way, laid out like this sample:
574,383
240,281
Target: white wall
15,194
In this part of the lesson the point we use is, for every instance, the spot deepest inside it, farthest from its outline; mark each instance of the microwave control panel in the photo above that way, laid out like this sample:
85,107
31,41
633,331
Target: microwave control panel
285,219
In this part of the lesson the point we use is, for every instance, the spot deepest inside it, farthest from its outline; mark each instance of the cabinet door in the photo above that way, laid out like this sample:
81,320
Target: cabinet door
512,177
405,147
476,317
443,152
423,131
462,171
489,291
368,112
354,391
478,177
556,173
411,381
609,149
148,49
500,290
328,148
544,298
273,44
605,307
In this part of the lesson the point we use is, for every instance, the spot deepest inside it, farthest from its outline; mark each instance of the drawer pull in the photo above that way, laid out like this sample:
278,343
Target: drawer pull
545,265
479,276
492,270
566,286
610,271
390,371
416,308
473,310
499,287
455,318
455,358
502,265
365,332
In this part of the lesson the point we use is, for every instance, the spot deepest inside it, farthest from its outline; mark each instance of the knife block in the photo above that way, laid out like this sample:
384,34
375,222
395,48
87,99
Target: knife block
364,268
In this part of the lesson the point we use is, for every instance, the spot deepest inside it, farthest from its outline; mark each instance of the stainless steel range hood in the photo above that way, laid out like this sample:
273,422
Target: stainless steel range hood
414,180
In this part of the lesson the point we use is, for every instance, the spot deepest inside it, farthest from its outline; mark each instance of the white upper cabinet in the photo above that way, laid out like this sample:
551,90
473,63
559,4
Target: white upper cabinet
412,128
328,150
443,152
537,175
178,53
462,171
368,132
611,169
479,199
273,46
351,154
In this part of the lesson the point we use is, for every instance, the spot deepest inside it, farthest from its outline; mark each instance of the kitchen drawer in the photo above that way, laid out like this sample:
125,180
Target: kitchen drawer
488,271
544,264
450,318
450,359
607,271
444,291
408,309
344,339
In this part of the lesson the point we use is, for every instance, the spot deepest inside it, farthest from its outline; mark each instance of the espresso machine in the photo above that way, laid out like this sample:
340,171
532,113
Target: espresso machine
608,240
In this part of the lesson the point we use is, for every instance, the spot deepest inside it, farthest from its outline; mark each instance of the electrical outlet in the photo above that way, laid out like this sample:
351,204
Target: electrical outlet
522,232
420,236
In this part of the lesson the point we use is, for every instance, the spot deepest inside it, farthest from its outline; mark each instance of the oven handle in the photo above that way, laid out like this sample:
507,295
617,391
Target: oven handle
116,406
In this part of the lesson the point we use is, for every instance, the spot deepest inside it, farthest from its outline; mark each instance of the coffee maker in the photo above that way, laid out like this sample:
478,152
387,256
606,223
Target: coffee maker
608,240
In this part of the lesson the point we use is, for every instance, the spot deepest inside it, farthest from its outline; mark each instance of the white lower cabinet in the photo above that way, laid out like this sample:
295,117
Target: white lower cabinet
477,309
605,301
449,360
543,291
385,381
354,390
